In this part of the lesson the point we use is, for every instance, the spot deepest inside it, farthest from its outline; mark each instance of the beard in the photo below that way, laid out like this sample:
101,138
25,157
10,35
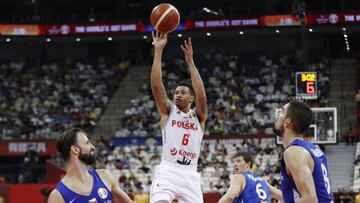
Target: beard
278,132
88,159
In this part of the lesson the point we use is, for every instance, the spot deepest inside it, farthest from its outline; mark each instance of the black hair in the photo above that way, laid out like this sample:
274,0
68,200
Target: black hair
65,140
246,156
301,115
188,84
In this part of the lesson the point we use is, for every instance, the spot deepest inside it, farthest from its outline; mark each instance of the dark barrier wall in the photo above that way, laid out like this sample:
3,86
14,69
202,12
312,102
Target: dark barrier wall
53,173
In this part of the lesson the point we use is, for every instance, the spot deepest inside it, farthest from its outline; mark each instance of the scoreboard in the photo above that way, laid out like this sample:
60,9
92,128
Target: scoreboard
306,85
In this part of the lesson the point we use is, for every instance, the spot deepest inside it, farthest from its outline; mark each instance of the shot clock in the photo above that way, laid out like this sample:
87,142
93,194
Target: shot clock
306,85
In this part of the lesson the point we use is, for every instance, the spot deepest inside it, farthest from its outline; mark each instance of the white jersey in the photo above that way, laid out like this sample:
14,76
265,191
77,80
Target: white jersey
182,136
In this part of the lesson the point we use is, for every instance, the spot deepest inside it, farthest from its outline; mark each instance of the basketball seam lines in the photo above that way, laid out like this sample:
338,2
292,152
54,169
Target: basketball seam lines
163,16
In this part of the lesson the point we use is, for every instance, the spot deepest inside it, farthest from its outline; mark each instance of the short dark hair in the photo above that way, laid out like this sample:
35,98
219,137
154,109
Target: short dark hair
300,114
65,140
245,155
188,84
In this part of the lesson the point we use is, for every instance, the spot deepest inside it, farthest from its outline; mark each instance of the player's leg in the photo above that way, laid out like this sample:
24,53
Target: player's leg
160,198
162,187
192,192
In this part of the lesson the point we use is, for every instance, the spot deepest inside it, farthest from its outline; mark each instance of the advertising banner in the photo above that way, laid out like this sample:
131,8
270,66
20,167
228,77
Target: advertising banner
19,147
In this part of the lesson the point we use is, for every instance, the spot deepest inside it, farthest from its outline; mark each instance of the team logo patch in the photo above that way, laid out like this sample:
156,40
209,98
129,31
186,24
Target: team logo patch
103,193
173,151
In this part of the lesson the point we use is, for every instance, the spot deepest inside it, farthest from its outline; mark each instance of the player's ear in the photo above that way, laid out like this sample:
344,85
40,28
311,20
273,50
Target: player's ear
287,122
192,98
74,149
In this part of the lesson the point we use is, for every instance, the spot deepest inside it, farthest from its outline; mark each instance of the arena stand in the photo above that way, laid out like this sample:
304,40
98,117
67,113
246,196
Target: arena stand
40,99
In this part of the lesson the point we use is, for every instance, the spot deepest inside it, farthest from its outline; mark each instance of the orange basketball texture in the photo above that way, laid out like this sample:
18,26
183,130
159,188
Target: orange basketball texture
165,18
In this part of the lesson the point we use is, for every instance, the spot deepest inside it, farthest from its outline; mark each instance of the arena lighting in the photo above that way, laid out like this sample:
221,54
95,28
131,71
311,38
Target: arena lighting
179,35
208,34
7,39
109,38
78,39
207,10
241,32
48,39
311,30
346,40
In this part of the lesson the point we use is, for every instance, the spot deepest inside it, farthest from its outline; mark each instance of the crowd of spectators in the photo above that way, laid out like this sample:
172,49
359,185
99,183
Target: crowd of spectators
40,99
243,90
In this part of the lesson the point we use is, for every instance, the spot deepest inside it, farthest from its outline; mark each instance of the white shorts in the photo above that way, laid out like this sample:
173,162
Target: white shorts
174,181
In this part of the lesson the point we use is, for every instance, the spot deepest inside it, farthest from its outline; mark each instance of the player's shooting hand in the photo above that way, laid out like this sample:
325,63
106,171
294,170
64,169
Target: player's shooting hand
159,39
188,51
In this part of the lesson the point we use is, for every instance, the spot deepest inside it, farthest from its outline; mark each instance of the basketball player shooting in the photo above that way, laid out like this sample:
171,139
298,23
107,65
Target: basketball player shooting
182,131
81,185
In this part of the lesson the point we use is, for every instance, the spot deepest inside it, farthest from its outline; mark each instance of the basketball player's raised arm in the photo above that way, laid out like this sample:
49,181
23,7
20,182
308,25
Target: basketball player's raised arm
162,102
118,194
55,197
275,193
197,83
237,183
297,162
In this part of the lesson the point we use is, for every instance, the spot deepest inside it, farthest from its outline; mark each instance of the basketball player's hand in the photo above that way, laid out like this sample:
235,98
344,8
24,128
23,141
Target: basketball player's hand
159,39
188,51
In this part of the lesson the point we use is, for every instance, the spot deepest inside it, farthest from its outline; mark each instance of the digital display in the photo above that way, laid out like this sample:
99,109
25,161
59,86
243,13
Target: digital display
306,85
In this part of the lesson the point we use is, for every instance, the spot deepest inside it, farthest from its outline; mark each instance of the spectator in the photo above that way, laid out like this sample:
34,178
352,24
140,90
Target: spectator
357,160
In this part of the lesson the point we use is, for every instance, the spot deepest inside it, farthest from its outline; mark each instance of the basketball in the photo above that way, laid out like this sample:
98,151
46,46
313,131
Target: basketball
165,18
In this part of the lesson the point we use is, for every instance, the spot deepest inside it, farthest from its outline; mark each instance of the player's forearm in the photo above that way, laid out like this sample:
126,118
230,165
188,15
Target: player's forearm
197,82
226,199
275,193
156,74
308,199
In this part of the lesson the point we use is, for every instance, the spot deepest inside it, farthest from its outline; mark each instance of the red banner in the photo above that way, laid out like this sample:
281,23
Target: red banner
280,20
92,28
29,193
222,23
19,147
332,18
18,29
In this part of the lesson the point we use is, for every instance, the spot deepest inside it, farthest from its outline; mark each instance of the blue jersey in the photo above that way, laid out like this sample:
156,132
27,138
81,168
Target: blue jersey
99,193
320,175
255,191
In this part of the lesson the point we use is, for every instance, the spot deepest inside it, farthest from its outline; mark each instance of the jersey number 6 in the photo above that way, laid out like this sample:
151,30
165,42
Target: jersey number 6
185,140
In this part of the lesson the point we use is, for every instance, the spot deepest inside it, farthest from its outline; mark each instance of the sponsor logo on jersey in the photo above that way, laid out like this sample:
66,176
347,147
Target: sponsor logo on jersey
191,155
103,193
184,125
173,151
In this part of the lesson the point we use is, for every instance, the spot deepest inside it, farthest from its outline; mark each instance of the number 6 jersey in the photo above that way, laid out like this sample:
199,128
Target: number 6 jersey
320,175
182,136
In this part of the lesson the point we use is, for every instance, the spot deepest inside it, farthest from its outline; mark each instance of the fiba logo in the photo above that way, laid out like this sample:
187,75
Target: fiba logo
173,151
103,193
64,29
333,18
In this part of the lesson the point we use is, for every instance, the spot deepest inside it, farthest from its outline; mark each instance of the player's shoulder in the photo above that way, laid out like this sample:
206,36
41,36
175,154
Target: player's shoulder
55,197
239,177
295,154
105,175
